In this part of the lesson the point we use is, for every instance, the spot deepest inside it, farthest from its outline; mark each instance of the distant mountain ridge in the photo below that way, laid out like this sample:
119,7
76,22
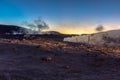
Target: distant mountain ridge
11,29
51,32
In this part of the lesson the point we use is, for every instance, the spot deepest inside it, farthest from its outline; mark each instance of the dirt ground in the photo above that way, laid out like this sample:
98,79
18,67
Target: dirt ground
31,58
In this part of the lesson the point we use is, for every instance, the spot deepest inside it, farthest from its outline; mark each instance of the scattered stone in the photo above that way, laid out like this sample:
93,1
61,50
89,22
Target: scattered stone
15,49
15,41
27,36
66,67
97,62
38,46
47,59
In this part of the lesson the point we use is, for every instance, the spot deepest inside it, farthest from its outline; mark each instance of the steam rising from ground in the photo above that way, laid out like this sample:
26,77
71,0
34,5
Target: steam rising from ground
37,26
110,38
100,28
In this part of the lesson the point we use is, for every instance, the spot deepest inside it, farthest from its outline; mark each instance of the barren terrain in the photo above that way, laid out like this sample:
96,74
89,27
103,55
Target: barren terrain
30,57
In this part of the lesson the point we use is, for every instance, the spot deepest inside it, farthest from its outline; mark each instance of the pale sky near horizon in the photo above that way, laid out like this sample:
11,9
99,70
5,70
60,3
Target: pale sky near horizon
66,16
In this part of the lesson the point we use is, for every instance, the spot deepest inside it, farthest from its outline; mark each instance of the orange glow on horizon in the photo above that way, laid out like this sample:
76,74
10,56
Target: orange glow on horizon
80,29
72,30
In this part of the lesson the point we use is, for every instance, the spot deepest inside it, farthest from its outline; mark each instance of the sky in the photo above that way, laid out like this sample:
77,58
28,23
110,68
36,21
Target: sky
65,16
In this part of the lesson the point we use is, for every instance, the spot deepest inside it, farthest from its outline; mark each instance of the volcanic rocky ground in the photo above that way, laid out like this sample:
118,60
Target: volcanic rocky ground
34,57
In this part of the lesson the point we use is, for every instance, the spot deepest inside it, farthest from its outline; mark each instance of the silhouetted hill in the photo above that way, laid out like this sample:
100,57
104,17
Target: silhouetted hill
12,29
51,32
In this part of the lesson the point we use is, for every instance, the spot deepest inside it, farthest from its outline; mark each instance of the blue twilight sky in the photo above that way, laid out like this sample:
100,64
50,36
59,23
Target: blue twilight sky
67,16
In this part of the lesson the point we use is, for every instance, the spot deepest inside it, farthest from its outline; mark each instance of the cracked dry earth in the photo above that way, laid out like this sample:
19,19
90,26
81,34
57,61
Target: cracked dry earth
47,59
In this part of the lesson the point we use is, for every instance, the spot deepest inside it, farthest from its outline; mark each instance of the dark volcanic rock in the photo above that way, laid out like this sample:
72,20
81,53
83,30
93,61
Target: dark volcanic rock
10,29
48,58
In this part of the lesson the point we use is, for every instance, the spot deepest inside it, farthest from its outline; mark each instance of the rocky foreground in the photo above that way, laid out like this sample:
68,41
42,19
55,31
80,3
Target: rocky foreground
40,58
